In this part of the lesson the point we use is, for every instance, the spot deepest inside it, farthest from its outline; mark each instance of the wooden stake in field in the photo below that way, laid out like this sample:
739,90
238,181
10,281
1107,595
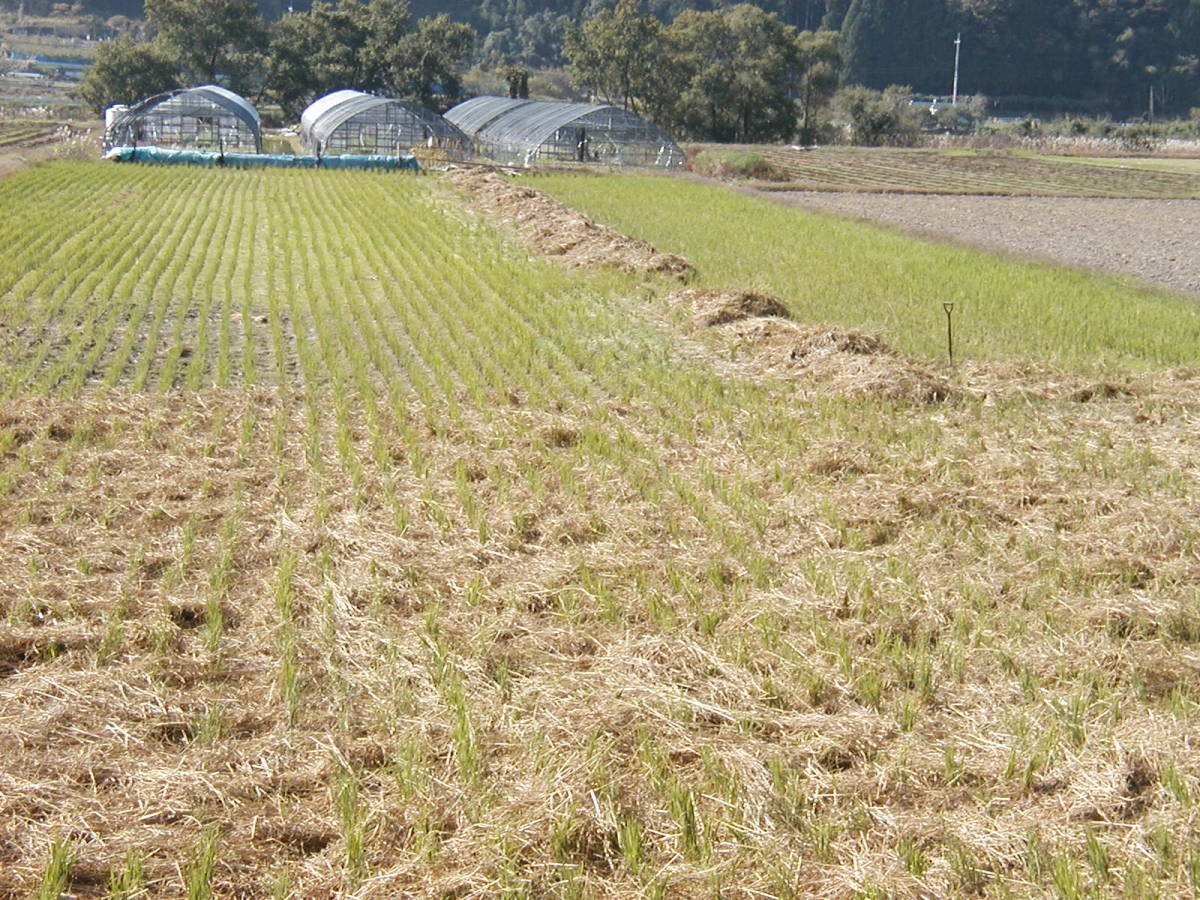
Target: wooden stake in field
948,306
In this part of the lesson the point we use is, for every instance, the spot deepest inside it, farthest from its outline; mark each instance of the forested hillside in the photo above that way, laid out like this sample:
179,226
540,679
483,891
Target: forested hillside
1101,56
1110,52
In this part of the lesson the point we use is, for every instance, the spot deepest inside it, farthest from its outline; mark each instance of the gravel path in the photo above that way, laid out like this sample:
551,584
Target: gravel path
1154,240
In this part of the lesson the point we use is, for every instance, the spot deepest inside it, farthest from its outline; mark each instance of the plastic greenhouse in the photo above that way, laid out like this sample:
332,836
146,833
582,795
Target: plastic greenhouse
355,122
527,132
208,117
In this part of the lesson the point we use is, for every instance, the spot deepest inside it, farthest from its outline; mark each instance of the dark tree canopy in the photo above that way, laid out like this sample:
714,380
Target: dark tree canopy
889,41
1102,56
615,54
742,68
366,45
736,74
125,72
209,37
333,46
1107,53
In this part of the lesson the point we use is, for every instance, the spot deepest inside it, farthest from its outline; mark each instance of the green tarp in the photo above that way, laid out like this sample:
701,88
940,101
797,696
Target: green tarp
259,160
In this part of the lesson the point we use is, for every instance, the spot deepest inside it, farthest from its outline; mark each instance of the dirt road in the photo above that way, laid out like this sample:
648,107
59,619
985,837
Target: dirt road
1157,241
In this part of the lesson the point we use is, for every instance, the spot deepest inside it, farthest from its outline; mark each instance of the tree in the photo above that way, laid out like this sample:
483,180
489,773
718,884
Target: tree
366,45
209,37
878,117
897,42
734,74
821,64
1141,46
1020,47
835,15
125,72
332,46
385,24
540,38
106,8
424,66
518,83
614,55
742,68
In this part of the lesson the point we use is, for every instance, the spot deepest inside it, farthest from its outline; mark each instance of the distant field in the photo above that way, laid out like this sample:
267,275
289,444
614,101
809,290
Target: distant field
1181,166
18,134
970,172
830,270
55,47
348,549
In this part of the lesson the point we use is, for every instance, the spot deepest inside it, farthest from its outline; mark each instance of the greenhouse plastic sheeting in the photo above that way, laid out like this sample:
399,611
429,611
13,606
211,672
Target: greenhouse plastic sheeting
352,121
527,132
258,160
206,117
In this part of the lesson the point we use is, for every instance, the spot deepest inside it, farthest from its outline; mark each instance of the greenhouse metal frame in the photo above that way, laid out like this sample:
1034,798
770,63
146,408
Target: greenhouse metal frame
528,132
206,117
355,122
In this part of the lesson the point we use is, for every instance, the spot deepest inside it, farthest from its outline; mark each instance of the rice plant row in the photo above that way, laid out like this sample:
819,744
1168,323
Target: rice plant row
357,308
19,134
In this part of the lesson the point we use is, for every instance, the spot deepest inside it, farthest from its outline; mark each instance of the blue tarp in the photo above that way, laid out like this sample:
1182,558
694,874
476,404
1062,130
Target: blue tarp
259,160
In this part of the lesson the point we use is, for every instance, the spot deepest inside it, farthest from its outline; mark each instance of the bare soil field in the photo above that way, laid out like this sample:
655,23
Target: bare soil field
1152,240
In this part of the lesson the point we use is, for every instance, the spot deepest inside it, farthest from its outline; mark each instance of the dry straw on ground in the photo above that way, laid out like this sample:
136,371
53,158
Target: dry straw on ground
554,230
966,656
757,339
765,634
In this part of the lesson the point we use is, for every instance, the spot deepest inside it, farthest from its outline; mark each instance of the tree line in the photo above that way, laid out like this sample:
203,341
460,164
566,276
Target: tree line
1103,56
1099,56
704,69
369,45
736,74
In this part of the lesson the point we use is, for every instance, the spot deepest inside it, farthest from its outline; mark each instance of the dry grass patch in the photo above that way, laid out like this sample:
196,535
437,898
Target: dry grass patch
552,229
970,655
755,339
718,307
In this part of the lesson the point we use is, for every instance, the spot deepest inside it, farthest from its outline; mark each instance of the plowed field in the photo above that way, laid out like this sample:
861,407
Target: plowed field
1154,241
968,172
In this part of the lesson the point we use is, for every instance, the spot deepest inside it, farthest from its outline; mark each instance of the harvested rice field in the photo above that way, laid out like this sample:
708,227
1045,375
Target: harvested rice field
381,535
1005,173
21,134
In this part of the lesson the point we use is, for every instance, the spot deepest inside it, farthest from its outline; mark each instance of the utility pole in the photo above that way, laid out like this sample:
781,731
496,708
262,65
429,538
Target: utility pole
957,48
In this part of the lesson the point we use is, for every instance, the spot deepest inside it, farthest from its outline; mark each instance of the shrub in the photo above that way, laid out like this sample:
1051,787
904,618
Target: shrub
878,118
734,164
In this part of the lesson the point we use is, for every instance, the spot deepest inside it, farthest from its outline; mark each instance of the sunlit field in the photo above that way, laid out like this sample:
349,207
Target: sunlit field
348,549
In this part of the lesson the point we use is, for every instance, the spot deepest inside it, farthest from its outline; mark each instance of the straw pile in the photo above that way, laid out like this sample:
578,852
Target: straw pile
551,229
753,332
